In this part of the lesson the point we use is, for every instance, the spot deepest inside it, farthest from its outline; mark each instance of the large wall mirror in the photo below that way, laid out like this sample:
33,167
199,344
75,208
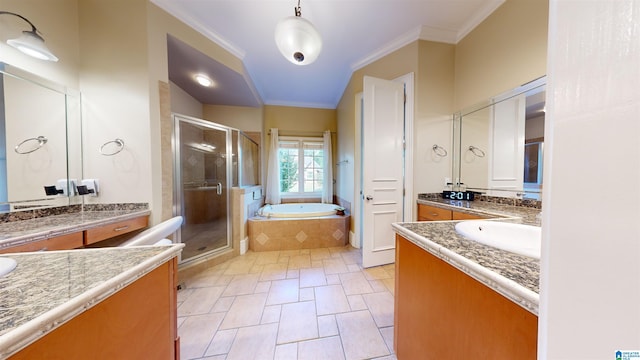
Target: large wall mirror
499,144
40,141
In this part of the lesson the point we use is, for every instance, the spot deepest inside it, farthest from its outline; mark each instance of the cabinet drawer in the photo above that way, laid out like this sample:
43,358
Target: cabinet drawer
432,213
63,242
115,229
457,215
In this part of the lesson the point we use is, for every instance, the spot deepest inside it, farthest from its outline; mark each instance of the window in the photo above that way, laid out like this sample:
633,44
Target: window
301,166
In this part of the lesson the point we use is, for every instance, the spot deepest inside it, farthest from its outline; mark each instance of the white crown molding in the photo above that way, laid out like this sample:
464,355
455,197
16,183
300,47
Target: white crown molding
419,33
252,87
175,10
438,35
430,34
387,49
301,104
478,18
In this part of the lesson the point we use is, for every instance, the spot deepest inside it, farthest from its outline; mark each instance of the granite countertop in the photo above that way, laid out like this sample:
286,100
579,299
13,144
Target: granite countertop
46,289
19,232
514,276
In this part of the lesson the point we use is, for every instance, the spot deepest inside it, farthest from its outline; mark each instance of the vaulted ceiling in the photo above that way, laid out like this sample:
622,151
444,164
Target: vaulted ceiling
354,32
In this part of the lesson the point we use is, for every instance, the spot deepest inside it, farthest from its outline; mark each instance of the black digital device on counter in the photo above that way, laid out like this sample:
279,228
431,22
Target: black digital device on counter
458,195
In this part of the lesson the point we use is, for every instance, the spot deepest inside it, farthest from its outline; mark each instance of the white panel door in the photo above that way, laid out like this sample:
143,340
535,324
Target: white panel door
383,168
506,145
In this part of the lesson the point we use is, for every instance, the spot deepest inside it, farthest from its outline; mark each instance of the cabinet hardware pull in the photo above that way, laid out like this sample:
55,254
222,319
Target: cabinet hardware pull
434,214
121,228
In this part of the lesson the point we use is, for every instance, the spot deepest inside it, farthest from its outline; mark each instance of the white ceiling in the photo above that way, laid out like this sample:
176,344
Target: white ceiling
355,33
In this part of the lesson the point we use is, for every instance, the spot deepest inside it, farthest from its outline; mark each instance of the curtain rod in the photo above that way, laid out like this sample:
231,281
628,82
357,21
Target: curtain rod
300,133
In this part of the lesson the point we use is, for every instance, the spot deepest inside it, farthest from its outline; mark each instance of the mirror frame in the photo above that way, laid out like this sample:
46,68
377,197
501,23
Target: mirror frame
457,130
72,147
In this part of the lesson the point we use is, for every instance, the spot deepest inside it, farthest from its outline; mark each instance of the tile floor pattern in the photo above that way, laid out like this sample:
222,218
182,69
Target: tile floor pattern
287,305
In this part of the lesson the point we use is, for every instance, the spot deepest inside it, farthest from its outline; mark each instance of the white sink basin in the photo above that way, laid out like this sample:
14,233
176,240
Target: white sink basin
6,265
515,238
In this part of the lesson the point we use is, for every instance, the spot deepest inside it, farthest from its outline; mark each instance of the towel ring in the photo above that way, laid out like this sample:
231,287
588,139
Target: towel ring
40,139
439,150
476,151
118,142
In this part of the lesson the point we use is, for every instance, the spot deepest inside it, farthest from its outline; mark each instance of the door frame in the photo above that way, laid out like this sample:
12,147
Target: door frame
177,180
357,214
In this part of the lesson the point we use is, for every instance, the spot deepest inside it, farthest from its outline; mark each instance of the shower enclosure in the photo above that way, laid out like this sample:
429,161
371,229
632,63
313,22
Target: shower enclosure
209,161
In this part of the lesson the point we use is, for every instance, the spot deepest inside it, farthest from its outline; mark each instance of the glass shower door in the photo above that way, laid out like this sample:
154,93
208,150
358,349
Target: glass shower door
202,183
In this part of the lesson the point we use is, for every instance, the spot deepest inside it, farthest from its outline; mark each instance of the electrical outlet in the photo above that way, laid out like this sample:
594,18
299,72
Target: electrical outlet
68,186
92,186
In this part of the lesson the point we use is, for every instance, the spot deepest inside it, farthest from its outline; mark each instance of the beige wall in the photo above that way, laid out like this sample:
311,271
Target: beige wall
58,22
299,121
432,123
505,51
589,273
114,80
394,65
183,103
247,119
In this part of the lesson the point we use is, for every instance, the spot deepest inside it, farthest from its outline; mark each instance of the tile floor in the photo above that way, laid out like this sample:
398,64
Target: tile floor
294,304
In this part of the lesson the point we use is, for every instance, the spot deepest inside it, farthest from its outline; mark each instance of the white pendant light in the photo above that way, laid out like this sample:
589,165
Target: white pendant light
30,42
297,39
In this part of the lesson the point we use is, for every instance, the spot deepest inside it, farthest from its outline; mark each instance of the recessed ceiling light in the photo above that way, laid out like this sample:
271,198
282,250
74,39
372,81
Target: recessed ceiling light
204,80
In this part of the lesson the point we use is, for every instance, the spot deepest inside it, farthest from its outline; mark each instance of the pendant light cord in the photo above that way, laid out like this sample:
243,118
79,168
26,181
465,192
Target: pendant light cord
297,10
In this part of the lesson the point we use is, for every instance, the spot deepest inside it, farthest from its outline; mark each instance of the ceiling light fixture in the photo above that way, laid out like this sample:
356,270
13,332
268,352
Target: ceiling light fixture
30,42
297,39
204,80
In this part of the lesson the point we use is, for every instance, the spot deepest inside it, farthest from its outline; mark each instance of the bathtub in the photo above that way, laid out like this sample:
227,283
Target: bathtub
298,210
297,226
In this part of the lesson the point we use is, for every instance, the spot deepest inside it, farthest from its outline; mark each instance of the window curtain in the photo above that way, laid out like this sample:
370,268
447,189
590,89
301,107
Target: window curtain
327,179
273,171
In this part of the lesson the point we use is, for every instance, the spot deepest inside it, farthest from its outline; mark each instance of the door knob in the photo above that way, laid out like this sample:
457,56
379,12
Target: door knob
369,197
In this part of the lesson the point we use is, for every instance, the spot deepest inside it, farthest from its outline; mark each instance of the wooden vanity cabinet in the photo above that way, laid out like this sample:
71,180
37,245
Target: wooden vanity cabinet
114,229
62,242
433,213
137,322
458,215
80,239
443,313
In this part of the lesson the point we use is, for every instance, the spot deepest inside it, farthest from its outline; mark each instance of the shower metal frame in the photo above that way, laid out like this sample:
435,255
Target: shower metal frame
178,198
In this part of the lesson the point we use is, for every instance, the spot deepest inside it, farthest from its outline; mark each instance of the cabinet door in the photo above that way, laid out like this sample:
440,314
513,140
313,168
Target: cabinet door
62,242
432,213
137,322
115,229
457,215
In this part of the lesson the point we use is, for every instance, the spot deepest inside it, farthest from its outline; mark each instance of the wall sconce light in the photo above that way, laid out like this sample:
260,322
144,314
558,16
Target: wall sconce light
30,42
297,39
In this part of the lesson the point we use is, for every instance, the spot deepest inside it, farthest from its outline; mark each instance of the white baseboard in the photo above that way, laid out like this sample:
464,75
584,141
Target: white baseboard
353,240
244,245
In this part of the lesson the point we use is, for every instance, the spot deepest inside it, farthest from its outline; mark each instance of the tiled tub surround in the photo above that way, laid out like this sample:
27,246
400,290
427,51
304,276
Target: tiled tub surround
49,288
514,276
298,233
19,232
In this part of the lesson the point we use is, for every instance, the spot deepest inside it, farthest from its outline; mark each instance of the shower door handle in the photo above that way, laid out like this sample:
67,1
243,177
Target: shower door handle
219,188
